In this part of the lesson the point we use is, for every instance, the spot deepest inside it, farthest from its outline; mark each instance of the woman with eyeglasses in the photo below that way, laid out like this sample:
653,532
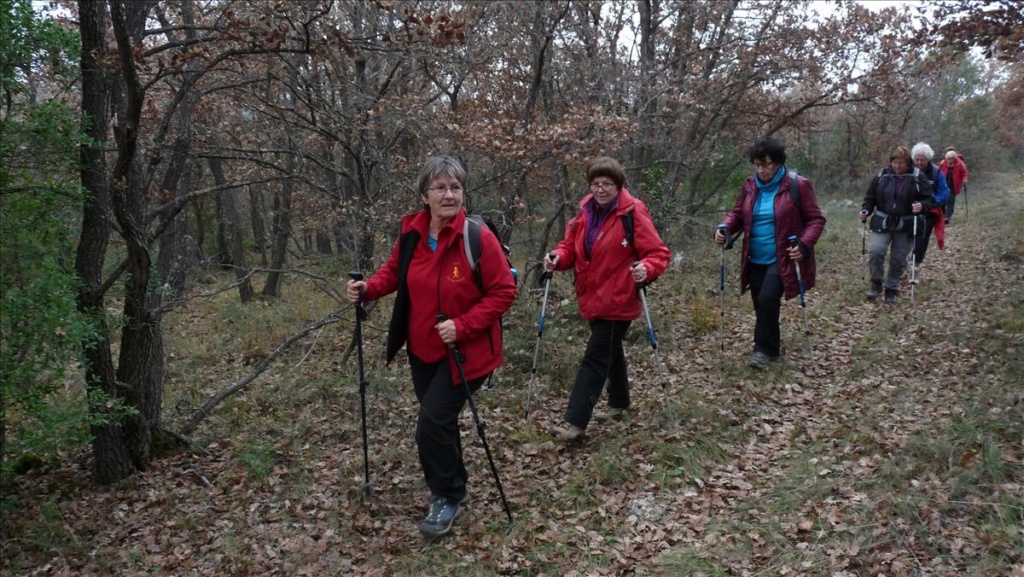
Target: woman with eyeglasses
429,269
611,262
896,197
768,211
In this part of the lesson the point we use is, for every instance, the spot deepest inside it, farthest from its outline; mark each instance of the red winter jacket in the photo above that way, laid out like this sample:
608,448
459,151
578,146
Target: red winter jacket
806,222
442,282
604,283
959,174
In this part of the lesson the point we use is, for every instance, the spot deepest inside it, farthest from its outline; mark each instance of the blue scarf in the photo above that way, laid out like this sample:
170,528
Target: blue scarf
762,230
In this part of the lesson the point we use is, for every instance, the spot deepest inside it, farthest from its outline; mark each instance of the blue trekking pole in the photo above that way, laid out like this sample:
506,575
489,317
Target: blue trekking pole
457,357
357,275
540,333
642,289
803,303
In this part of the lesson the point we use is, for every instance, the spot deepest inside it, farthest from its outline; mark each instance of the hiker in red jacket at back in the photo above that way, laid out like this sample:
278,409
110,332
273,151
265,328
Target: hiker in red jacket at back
955,169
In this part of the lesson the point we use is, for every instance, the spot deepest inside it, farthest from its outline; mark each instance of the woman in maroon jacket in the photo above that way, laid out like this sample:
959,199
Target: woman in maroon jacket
431,272
598,244
766,213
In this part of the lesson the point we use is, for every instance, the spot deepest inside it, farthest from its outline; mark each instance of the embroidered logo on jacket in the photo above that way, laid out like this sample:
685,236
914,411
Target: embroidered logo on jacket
456,274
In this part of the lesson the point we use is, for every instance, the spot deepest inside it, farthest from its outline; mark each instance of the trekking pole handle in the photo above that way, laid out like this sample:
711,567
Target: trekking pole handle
792,240
548,274
639,285
357,276
441,317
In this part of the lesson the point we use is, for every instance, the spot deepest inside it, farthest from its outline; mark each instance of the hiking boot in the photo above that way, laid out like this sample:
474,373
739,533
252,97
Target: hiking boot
760,360
568,432
440,516
611,414
892,296
875,290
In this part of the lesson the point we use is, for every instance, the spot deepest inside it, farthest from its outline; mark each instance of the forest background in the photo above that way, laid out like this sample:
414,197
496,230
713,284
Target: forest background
166,162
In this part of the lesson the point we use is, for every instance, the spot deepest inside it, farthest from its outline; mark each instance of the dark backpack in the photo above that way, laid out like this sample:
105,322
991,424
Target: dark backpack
471,231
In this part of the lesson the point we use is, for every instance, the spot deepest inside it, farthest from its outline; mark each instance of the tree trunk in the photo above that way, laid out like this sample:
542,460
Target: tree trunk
229,232
111,460
259,226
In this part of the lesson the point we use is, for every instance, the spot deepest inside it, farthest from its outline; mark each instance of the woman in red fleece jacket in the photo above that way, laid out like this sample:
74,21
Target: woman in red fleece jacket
597,244
430,270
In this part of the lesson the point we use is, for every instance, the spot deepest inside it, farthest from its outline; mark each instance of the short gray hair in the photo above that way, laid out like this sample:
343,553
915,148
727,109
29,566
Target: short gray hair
922,148
951,155
438,166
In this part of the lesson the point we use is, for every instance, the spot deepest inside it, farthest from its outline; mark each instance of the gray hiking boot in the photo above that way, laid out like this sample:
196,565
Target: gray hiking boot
760,360
875,290
568,432
440,516
892,296
610,414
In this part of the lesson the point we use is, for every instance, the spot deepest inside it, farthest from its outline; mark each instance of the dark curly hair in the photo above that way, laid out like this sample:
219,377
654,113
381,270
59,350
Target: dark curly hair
768,147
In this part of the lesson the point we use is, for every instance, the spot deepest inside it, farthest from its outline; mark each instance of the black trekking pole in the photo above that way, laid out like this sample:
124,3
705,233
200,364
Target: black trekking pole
721,288
457,355
357,275
803,302
540,333
642,289
913,260
967,205
864,251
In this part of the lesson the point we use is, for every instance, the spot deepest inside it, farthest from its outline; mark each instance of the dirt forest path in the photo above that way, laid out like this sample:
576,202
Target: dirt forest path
825,431
896,450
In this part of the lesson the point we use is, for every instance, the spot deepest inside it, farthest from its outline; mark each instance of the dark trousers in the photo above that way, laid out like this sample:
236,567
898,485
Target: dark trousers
437,428
950,203
603,360
924,235
766,291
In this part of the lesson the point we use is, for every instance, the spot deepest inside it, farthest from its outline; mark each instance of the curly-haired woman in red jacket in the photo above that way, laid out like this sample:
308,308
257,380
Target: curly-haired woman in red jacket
598,245
766,213
430,270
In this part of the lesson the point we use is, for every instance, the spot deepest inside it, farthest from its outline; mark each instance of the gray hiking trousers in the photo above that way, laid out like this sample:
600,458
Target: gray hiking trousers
901,245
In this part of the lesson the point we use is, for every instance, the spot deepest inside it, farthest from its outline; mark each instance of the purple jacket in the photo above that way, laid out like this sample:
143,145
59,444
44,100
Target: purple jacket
806,222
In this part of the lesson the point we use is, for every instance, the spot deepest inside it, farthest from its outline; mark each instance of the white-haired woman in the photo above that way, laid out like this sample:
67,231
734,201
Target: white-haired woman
922,155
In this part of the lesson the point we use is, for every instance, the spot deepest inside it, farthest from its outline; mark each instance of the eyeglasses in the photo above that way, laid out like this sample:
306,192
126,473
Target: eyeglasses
443,190
759,164
602,186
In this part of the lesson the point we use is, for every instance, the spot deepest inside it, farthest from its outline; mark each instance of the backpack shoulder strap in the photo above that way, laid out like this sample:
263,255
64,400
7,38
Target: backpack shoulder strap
471,239
627,225
794,187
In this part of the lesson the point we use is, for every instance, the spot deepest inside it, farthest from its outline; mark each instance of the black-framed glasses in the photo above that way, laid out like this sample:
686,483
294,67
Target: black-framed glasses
761,164
602,186
443,190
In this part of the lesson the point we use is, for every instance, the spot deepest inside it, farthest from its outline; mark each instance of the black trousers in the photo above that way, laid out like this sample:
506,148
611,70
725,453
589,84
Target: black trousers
603,360
924,236
766,291
438,439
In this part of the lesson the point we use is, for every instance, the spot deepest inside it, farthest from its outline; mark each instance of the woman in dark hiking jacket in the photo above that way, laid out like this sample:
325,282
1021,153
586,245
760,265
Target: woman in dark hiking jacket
431,272
895,197
601,248
766,213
